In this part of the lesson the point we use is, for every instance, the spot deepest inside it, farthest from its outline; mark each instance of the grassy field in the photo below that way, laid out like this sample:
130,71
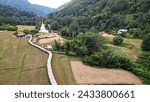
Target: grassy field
20,63
21,28
62,69
131,47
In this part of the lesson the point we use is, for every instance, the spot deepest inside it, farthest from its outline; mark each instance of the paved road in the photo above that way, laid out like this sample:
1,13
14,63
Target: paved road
49,66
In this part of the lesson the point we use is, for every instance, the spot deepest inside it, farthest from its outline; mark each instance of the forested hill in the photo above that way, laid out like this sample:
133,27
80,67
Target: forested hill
9,15
104,15
27,6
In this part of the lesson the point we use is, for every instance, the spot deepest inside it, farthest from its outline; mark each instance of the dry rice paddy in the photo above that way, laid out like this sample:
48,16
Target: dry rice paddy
21,63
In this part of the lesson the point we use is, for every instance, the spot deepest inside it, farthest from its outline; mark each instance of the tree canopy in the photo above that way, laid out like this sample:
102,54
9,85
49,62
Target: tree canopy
10,15
104,15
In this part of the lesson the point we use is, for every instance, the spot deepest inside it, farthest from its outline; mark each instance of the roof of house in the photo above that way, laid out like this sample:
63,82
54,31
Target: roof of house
122,30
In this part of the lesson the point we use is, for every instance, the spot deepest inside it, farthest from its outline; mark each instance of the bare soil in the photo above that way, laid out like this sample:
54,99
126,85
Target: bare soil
91,75
49,38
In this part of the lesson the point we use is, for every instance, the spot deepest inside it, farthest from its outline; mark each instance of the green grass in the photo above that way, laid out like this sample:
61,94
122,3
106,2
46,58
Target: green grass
74,58
132,47
62,70
20,63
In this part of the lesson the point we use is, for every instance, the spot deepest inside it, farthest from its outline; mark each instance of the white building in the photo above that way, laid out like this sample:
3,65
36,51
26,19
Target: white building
43,29
122,31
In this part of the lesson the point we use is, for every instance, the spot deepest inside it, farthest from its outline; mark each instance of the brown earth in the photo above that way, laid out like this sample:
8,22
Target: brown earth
90,75
49,38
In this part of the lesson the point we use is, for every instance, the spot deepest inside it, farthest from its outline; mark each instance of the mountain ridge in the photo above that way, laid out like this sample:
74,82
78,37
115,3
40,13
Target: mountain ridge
104,15
27,6
13,16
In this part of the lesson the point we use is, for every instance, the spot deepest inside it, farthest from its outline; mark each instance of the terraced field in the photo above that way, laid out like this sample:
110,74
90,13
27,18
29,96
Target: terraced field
21,63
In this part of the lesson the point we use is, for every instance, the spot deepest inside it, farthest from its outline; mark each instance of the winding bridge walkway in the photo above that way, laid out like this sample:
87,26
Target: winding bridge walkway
49,66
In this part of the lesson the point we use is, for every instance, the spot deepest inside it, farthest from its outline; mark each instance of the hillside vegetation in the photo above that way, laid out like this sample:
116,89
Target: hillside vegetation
25,5
81,21
9,15
103,15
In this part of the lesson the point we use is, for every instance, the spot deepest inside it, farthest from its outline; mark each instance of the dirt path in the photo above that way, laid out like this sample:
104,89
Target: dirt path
89,75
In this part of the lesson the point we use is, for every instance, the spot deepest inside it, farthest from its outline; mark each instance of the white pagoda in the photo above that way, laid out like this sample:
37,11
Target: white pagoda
43,29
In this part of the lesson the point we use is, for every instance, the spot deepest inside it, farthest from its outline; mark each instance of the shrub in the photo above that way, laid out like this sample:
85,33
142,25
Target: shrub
146,43
26,32
15,33
84,44
137,33
57,46
107,59
8,27
142,73
118,40
33,32
144,59
64,31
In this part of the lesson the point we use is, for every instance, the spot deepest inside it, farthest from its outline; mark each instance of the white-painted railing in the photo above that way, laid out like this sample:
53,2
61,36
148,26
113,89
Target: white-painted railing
49,65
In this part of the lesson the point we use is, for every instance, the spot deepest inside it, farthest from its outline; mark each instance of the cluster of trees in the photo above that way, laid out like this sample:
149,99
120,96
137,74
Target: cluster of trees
32,32
81,16
26,32
144,58
83,44
13,16
91,47
103,15
8,27
108,59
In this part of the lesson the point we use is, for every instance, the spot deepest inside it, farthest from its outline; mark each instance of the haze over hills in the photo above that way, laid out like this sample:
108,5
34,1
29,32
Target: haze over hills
27,6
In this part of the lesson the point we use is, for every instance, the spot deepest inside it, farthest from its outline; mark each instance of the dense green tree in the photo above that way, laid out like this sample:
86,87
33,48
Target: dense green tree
107,58
57,46
10,15
117,40
144,59
73,29
91,42
67,46
26,31
64,31
15,33
146,43
54,25
104,15
8,27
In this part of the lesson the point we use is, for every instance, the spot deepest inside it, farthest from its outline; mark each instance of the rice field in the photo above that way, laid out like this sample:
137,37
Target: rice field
20,63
